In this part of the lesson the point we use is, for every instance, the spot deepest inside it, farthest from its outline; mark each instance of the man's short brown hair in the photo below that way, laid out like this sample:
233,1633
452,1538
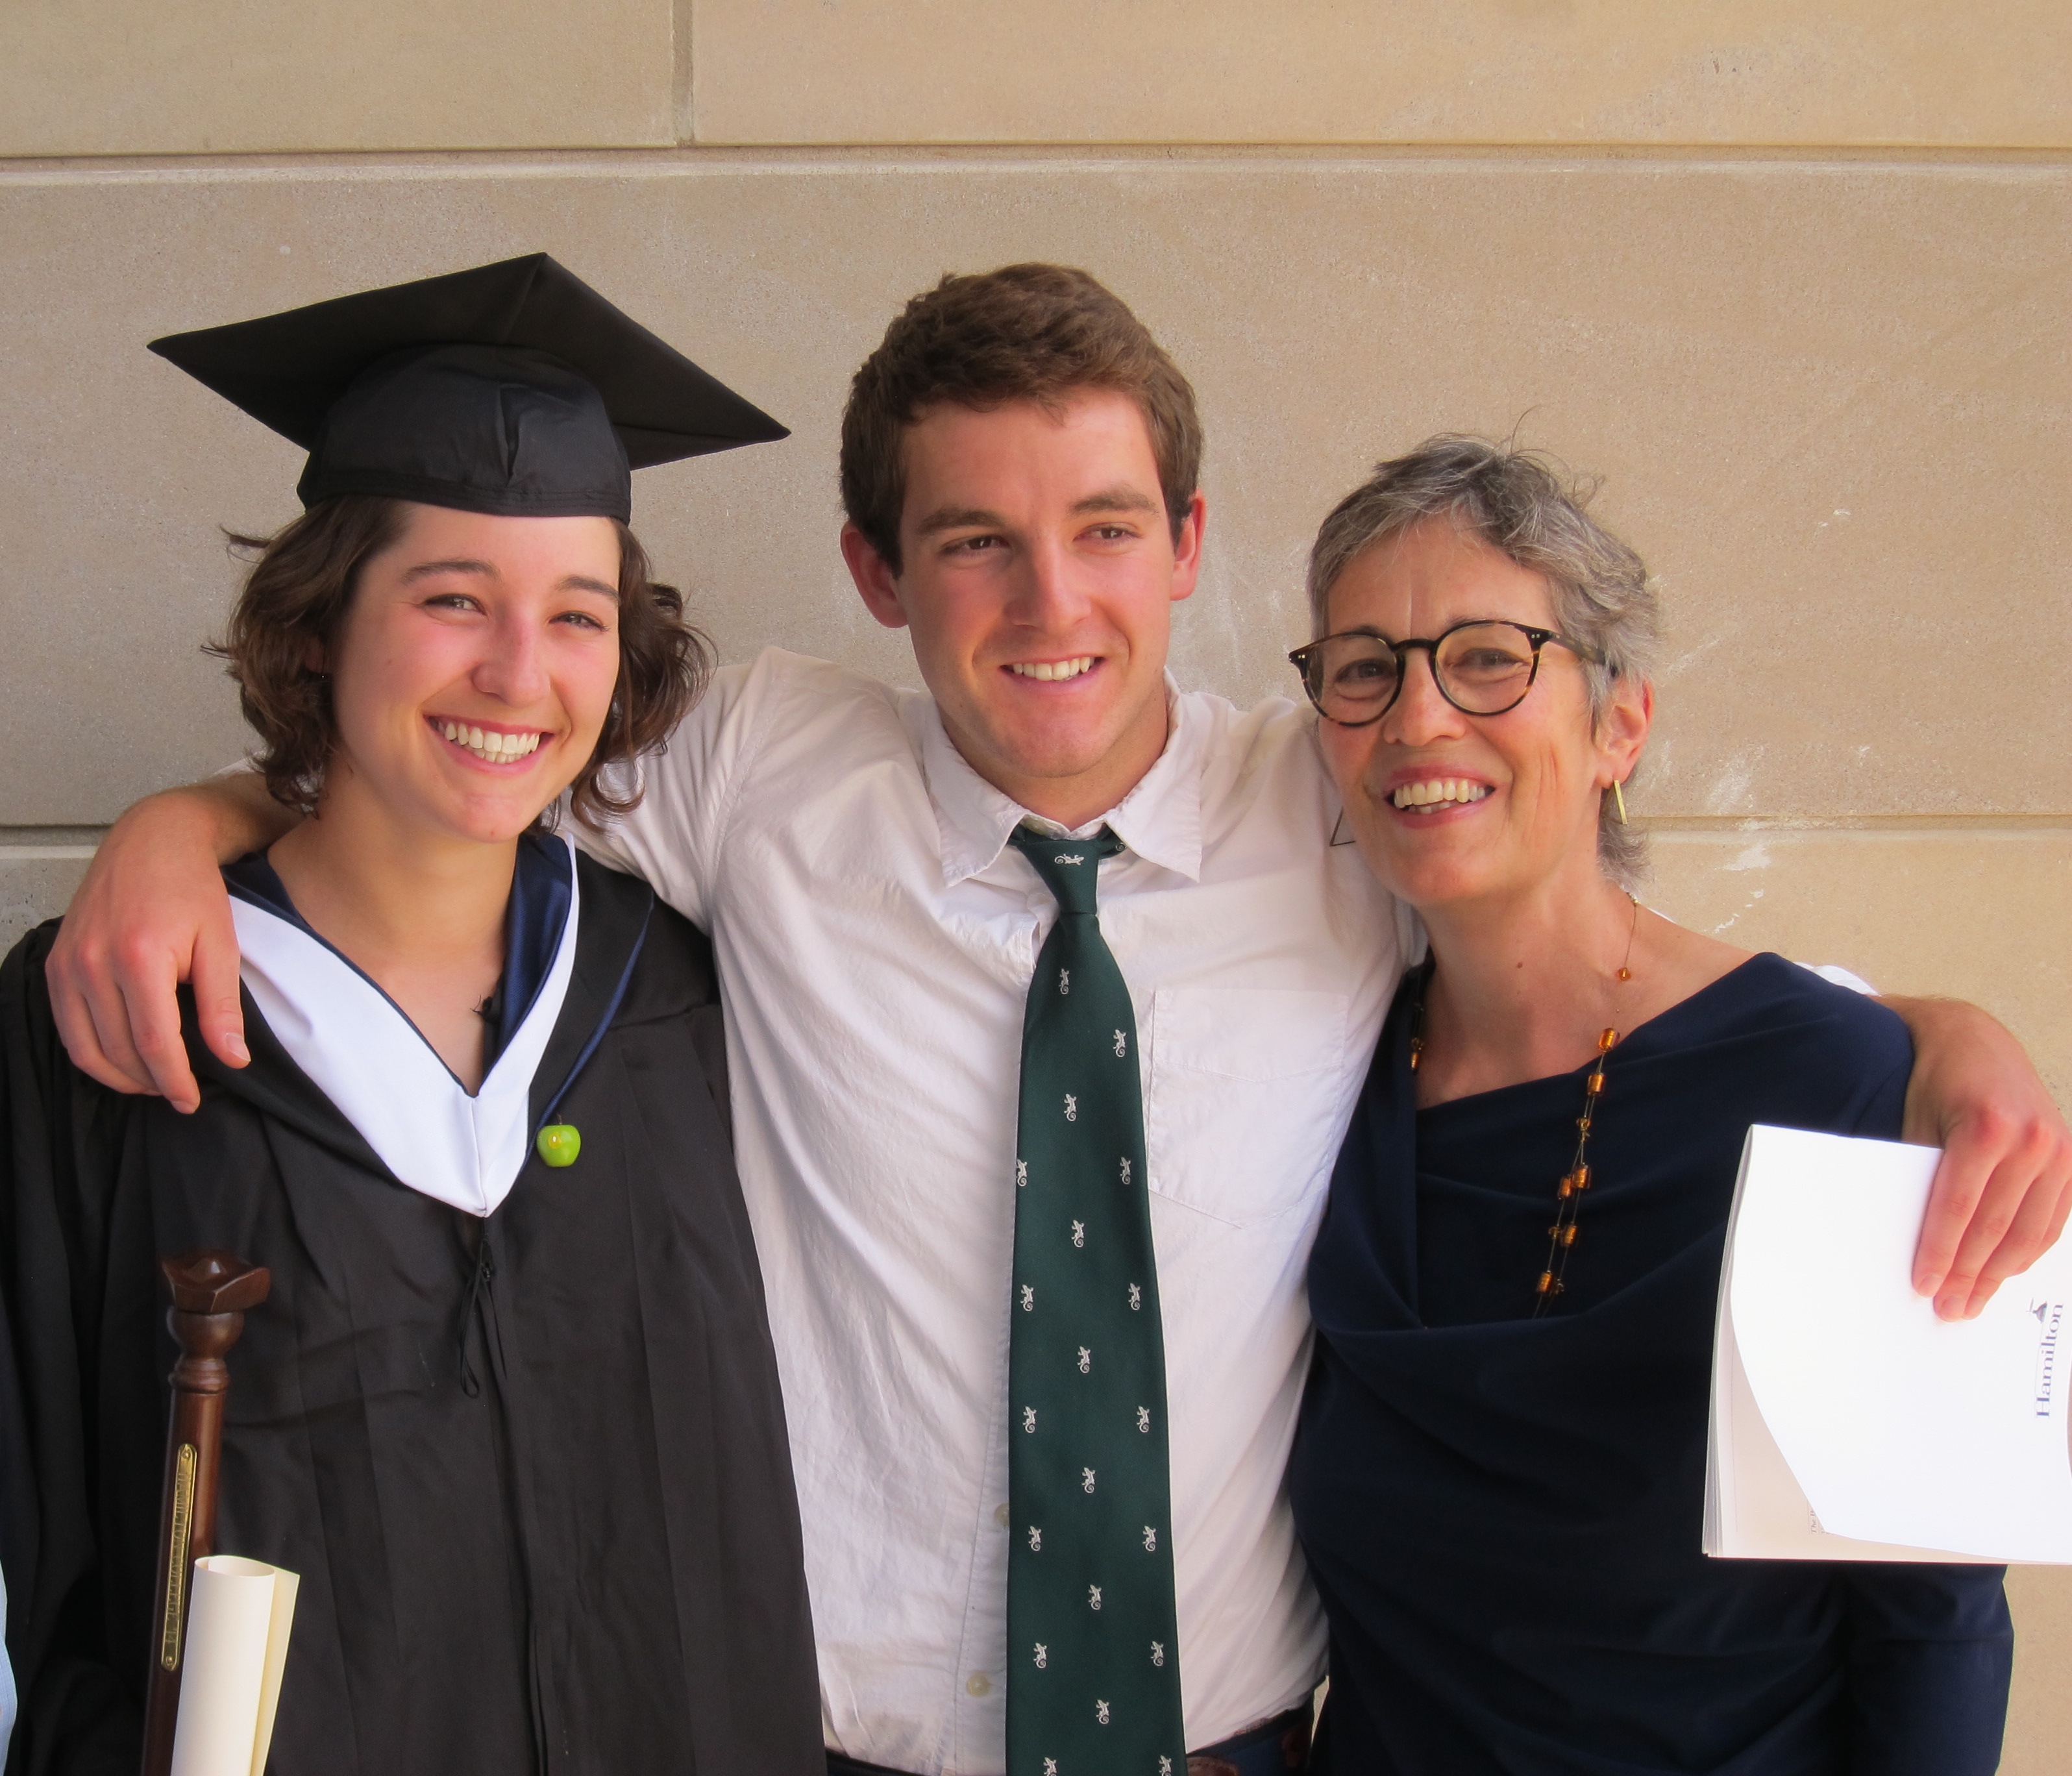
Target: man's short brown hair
1031,332
293,608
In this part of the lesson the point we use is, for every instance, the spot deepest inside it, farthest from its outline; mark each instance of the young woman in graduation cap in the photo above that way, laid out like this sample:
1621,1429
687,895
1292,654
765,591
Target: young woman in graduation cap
510,1409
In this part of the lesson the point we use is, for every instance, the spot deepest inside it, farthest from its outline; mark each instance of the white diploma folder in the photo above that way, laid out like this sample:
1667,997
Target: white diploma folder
1850,1424
239,1615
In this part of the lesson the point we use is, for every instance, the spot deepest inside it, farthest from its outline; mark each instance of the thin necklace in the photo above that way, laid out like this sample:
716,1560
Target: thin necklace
1569,1194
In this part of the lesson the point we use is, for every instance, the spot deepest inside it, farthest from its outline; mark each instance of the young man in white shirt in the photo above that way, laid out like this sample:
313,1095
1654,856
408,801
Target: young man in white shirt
1019,468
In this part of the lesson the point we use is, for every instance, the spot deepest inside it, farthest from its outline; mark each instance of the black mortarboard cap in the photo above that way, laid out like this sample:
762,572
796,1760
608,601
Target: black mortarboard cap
513,389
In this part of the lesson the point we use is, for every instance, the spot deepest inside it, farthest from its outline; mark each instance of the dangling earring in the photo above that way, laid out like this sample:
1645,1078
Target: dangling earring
1619,800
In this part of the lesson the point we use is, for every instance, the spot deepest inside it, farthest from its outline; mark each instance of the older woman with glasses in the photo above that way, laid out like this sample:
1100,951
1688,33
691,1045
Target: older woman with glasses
1500,1475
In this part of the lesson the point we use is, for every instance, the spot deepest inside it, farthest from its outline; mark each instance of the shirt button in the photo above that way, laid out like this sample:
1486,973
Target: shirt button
978,1683
1000,1515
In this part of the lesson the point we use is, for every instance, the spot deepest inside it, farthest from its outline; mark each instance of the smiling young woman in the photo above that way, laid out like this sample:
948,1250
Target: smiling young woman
426,681
510,1409
297,594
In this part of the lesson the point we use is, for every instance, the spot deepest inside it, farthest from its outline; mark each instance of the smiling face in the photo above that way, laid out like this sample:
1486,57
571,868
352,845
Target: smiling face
475,669
1038,575
1448,808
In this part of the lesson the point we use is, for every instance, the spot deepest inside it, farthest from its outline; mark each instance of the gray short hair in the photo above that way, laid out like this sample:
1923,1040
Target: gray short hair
1525,506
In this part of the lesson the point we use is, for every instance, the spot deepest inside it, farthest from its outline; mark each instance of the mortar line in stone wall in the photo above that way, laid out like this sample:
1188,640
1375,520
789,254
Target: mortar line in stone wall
688,159
1701,829
683,97
18,840
24,841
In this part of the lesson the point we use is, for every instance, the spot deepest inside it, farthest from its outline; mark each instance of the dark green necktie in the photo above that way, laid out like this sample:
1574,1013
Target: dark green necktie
1093,1664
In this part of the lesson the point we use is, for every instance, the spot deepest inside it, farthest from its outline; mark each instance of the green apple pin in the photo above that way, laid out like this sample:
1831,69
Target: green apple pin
559,1143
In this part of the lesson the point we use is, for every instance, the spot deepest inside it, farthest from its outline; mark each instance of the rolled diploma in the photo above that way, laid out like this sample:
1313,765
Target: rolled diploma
238,1621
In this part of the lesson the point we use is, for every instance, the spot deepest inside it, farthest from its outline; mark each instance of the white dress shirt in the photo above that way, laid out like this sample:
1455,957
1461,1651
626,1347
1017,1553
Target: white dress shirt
876,937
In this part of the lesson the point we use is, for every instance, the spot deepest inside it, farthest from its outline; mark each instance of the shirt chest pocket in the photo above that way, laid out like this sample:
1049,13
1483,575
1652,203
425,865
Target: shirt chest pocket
1242,1119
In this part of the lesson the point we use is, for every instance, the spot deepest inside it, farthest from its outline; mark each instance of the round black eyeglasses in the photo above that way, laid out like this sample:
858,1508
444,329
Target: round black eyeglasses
1482,667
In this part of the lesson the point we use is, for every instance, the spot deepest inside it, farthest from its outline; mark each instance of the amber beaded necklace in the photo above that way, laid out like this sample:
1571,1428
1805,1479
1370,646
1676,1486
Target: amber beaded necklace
1569,1194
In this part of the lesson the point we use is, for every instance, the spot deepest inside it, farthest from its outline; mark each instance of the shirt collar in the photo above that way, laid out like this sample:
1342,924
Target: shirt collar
1160,819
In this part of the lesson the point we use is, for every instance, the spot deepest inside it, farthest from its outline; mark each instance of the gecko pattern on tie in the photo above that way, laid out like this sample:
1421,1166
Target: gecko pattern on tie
1093,1679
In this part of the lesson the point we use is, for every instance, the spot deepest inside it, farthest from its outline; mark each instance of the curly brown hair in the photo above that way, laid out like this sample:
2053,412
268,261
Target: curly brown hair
294,604
1027,332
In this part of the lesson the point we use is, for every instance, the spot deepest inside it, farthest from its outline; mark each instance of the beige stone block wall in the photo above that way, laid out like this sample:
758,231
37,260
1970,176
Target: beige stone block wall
242,76
37,878
238,76
1792,279
1849,71
1973,912
2039,1731
1830,404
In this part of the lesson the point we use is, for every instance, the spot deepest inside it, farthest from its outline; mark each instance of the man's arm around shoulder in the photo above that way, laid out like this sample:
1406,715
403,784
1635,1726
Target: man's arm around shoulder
2004,1188
151,913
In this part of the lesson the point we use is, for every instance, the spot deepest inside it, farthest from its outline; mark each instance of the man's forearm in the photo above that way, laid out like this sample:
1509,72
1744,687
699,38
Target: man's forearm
2004,1185
1949,1034
228,815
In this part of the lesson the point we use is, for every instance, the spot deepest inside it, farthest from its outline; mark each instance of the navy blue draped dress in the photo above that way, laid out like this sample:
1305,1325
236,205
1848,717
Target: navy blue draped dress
1503,1514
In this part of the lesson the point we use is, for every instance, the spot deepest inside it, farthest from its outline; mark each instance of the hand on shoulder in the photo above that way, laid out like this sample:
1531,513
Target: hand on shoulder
151,913
2004,1188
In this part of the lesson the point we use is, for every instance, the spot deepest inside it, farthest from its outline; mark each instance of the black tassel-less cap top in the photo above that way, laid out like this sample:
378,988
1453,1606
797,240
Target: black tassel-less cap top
511,388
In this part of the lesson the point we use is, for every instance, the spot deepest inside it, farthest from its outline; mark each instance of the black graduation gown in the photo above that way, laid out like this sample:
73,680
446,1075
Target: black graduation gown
532,1469
1504,1515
